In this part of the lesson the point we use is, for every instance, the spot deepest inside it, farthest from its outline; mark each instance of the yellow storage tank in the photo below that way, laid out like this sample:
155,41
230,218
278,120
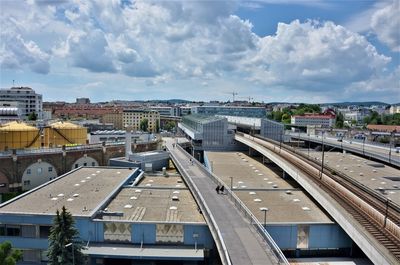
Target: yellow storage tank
17,135
64,133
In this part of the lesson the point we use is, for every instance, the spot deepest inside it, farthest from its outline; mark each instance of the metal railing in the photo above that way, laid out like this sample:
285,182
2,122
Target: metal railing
272,246
219,241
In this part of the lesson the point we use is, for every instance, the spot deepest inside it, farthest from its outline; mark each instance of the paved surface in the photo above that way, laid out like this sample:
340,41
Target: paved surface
243,244
376,151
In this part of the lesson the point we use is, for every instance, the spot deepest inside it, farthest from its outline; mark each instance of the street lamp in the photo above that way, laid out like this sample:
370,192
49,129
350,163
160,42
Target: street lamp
73,254
265,210
323,155
363,144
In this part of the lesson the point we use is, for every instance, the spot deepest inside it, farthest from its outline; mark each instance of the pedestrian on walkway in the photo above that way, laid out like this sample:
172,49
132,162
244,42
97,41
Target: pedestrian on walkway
222,189
217,189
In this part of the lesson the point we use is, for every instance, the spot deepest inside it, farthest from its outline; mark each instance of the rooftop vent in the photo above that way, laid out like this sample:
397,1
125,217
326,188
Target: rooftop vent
173,208
70,200
138,191
257,200
288,192
306,209
128,206
252,193
175,192
61,195
175,198
133,198
296,200
75,195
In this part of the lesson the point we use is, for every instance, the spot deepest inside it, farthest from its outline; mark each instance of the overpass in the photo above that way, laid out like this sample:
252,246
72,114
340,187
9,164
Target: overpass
376,235
239,236
381,153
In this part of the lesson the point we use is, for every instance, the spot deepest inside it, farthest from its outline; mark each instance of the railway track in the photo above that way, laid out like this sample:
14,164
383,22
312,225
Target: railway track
384,227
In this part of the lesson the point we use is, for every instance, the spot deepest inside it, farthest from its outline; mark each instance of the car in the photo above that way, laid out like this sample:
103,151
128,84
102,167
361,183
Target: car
339,140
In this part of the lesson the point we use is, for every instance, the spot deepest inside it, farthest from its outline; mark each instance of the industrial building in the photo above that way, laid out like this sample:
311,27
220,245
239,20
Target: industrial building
29,101
10,111
122,216
132,118
64,133
119,136
208,133
297,224
17,135
255,112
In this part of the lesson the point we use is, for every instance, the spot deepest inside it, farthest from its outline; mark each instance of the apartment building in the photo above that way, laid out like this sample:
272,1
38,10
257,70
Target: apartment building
131,119
28,100
115,118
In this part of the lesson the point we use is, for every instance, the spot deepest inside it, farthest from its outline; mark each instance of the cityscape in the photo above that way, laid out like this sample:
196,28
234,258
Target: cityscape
199,132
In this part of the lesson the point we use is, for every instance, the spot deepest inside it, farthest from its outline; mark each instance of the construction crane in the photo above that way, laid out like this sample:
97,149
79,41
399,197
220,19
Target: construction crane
248,98
233,93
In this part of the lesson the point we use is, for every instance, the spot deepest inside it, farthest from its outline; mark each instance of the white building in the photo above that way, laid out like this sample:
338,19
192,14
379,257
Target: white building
28,100
394,109
313,119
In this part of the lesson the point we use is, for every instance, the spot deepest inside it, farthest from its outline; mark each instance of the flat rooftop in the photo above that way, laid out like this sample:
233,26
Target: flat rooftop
261,185
375,175
81,191
156,198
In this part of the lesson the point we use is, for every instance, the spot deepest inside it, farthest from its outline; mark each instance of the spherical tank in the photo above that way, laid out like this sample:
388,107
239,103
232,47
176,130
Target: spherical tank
64,133
17,135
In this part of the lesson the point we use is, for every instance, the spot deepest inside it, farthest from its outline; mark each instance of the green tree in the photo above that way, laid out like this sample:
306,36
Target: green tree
32,116
8,255
169,126
144,124
62,233
157,126
339,120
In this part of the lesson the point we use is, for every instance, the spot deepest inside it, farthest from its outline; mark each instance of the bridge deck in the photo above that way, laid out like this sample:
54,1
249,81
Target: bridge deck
378,152
243,244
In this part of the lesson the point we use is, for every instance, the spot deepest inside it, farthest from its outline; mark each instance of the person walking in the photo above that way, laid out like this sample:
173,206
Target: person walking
222,189
217,189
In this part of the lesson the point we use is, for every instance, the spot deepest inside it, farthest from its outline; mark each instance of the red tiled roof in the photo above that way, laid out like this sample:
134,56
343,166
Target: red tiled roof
383,128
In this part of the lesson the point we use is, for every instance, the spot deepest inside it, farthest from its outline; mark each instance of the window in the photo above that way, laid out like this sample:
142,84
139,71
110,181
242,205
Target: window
44,231
28,171
13,230
93,164
76,165
85,164
27,182
50,169
39,170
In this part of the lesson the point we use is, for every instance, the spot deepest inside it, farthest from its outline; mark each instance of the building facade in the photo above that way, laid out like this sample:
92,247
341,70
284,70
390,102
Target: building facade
256,112
132,119
29,101
208,133
272,129
115,118
325,121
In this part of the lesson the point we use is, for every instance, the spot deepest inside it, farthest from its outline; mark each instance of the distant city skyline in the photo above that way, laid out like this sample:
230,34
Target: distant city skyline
310,51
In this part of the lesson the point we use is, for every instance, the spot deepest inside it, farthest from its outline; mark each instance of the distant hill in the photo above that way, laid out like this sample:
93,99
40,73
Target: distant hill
363,103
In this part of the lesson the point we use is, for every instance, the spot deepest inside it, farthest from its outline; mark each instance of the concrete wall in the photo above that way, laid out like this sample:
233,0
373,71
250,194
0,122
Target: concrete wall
321,236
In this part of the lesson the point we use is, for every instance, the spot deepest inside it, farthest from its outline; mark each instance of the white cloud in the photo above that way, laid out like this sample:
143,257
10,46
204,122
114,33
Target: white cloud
386,24
313,56
158,42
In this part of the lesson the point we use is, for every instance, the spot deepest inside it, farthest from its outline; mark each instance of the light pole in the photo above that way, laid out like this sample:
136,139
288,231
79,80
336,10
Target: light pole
73,254
323,155
363,145
231,183
390,146
265,210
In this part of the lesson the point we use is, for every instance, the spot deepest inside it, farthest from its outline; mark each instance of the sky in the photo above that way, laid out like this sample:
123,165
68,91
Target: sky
311,51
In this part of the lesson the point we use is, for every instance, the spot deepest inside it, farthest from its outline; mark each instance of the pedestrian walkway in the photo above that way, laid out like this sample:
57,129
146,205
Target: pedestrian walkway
244,245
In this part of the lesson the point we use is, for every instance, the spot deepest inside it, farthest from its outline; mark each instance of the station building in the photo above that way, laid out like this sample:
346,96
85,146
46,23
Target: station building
122,215
255,112
298,225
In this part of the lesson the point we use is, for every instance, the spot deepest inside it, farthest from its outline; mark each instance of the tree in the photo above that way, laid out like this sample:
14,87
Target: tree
62,233
157,126
8,255
339,120
144,124
169,125
32,116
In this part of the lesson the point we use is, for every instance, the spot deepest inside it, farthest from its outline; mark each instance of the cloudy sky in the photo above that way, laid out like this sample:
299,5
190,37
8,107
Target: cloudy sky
271,50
